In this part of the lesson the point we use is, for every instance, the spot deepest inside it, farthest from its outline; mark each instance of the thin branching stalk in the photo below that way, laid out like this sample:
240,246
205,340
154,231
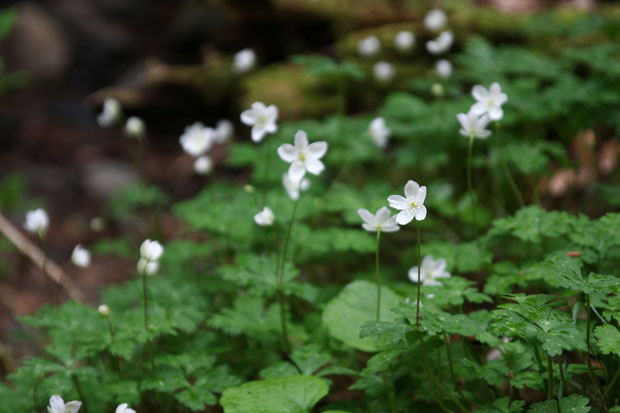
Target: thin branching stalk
470,186
378,274
511,181
550,377
417,317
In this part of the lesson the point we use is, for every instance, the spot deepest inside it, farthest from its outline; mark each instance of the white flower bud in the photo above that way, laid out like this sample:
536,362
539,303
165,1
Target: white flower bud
151,250
443,68
383,71
435,20
244,61
404,41
147,267
80,256
369,46
104,310
37,221
135,127
264,217
203,165
110,114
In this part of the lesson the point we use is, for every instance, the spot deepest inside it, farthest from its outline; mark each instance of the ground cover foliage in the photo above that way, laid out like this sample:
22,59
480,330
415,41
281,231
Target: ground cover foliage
528,319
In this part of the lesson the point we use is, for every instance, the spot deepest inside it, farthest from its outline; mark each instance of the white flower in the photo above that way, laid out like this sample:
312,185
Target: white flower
441,44
151,250
110,114
411,205
261,118
37,221
134,127
244,61
474,125
489,101
404,40
383,71
379,132
431,270
147,267
203,165
435,20
80,257
197,139
223,131
103,310
303,156
294,188
380,222
123,408
443,68
368,46
264,217
57,405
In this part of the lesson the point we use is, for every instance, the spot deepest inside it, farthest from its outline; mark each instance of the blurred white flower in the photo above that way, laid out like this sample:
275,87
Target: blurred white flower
197,139
293,189
147,267
441,44
123,408
368,46
261,118
474,125
223,131
383,71
37,221
379,132
110,114
103,310
151,250
264,217
203,165
80,257
489,101
303,156
443,68
58,405
411,205
244,61
435,20
404,40
134,127
380,222
431,270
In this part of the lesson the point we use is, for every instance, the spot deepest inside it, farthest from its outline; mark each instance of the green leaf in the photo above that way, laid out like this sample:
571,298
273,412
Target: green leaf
533,224
571,404
293,394
310,358
608,339
356,304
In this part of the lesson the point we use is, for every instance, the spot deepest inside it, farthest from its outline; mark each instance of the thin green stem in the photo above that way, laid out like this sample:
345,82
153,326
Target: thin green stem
417,318
452,375
610,385
588,359
550,377
76,384
391,395
266,174
114,359
146,319
378,274
563,383
470,186
511,181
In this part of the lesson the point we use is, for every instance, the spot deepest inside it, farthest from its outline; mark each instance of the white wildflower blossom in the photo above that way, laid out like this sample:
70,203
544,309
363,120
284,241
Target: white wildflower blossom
303,156
369,46
262,119
411,205
203,165
197,139
58,405
443,68
379,132
293,189
80,257
37,221
489,101
244,61
134,127
404,40
265,217
441,44
435,20
474,125
110,114
431,270
383,71
381,221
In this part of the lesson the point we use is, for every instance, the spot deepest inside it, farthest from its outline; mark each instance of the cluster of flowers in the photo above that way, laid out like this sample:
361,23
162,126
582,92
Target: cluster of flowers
404,41
112,114
488,107
197,139
58,405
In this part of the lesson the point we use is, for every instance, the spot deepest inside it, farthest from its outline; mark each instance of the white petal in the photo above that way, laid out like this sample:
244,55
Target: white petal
421,196
413,274
478,108
404,217
318,149
495,88
259,107
314,166
411,189
271,127
398,202
296,171
72,407
420,213
301,139
369,228
121,408
248,117
462,118
272,112
390,225
258,132
57,403
496,113
382,215
366,216
479,92
287,152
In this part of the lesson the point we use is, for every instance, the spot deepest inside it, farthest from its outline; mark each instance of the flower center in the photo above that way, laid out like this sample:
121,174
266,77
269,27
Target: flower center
413,204
261,119
302,156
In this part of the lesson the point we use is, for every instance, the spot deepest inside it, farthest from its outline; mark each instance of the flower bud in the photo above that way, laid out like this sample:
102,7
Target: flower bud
248,188
134,127
437,90
104,310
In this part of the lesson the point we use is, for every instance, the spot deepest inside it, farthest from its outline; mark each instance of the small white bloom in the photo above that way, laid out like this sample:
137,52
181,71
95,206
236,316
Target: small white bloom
37,221
383,71
123,408
244,61
264,218
474,125
411,205
134,127
441,44
368,46
435,20
58,405
303,156
151,250
197,139
103,310
431,270
379,132
404,40
413,303
110,114
223,131
203,165
147,267
443,68
80,257
380,222
262,119
489,101
293,189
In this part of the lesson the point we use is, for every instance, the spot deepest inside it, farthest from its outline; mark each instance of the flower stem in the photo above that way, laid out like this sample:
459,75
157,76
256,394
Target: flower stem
266,174
610,385
378,277
452,375
76,384
417,318
114,359
550,377
146,319
469,185
588,348
511,181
